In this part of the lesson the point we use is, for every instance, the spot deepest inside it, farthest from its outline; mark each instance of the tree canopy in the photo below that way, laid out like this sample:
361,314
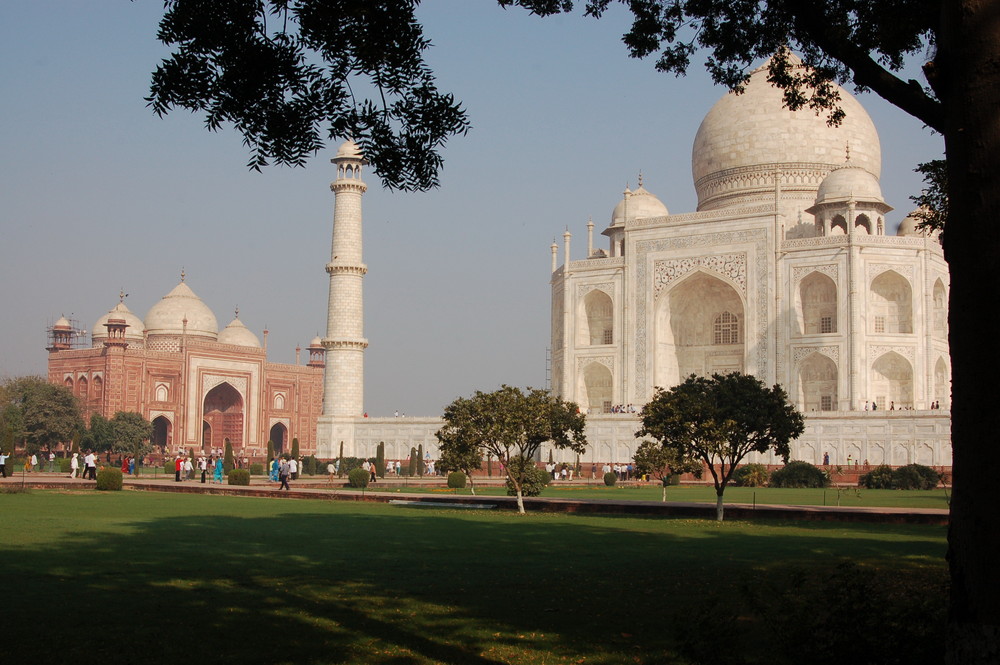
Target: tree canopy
131,433
37,413
661,462
511,424
718,421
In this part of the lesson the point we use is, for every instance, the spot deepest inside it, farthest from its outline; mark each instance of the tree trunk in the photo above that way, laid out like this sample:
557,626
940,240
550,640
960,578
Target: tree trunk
718,507
664,498
968,81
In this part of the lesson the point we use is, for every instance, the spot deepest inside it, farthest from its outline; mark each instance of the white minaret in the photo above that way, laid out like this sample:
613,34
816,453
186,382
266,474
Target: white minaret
343,385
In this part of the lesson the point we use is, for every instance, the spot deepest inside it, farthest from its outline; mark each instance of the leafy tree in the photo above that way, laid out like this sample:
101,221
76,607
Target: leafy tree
284,74
39,413
411,469
101,435
270,451
932,202
380,459
228,460
131,433
662,462
508,424
458,457
718,421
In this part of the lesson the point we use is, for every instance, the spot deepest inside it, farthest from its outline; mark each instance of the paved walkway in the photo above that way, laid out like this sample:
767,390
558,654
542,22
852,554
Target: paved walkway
391,489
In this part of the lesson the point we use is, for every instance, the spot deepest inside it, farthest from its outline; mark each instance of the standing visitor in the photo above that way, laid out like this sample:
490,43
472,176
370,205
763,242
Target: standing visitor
399,468
178,463
3,463
90,466
74,465
34,462
330,471
293,468
283,471
219,467
203,467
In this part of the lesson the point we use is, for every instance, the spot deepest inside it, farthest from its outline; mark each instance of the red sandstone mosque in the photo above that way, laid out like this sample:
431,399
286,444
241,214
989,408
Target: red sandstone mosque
198,386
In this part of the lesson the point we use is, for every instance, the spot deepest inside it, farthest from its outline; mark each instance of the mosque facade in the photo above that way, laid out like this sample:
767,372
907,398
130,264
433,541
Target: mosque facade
200,387
786,270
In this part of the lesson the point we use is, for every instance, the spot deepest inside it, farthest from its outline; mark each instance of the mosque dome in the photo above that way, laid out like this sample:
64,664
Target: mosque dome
238,334
849,183
316,343
167,316
909,226
133,333
62,324
638,204
745,139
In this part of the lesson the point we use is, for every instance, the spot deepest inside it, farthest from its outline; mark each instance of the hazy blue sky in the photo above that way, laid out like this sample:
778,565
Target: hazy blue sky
97,194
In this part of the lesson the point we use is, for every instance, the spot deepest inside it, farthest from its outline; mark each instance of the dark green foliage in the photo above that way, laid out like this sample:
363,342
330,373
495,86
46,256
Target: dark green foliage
456,480
751,475
295,448
340,465
228,461
312,466
358,478
131,433
610,479
270,451
380,460
879,478
256,469
411,469
62,464
533,479
420,460
932,202
100,436
348,464
674,479
238,477
799,474
285,76
109,478
915,477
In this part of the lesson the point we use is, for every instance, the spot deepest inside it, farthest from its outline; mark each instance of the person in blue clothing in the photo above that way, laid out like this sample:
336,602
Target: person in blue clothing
218,470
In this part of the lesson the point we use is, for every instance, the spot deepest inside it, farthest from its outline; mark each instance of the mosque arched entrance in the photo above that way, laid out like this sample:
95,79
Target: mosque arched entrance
278,436
161,433
223,417
699,330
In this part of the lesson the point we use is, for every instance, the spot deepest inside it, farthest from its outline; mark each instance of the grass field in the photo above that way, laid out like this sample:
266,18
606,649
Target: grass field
144,577
701,494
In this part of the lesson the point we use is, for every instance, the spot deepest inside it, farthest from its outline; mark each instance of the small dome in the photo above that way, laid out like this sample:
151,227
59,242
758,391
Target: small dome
909,227
849,183
348,150
167,316
639,204
316,343
133,333
62,324
238,334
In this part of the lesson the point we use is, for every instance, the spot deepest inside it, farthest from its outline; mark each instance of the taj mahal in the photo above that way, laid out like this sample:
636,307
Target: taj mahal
786,270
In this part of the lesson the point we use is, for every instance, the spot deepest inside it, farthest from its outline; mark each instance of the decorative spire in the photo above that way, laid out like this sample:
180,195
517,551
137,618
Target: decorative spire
122,295
847,150
182,273
237,311
640,178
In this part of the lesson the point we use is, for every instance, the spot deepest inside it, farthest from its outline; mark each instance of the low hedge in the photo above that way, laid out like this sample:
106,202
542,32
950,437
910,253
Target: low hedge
751,475
238,477
879,478
256,469
358,478
109,479
799,474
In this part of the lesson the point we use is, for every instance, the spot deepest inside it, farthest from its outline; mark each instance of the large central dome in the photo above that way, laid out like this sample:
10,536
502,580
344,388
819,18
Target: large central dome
745,139
181,312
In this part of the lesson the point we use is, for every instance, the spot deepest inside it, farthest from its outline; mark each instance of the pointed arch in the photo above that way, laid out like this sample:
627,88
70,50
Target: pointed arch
863,225
816,302
83,388
162,432
891,305
942,383
278,436
940,306
223,415
98,388
892,381
597,388
817,385
699,329
595,319
838,226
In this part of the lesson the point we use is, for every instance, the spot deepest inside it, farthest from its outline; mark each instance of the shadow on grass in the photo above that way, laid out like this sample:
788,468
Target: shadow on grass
374,584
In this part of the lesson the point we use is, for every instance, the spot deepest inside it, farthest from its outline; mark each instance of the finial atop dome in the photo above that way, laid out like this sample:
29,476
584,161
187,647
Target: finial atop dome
122,295
847,150
237,311
640,179
182,274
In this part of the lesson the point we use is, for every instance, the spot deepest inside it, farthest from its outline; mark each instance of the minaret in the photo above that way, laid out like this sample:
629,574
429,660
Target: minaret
343,385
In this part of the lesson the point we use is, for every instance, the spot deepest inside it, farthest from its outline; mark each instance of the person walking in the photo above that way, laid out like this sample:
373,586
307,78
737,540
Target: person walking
218,470
178,464
203,467
3,463
283,471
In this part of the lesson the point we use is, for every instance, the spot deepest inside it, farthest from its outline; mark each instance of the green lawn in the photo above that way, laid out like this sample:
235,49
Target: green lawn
145,577
705,494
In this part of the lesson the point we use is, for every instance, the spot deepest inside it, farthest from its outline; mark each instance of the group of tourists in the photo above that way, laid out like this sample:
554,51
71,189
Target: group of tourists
559,471
89,465
211,468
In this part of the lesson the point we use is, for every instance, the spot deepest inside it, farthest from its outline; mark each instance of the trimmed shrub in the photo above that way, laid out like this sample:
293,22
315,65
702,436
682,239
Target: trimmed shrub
228,461
799,474
751,475
358,478
915,477
879,478
535,479
256,469
610,479
238,477
673,479
456,480
62,464
109,479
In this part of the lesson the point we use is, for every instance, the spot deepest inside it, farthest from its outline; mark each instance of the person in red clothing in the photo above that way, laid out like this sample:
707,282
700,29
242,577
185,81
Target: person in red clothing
178,465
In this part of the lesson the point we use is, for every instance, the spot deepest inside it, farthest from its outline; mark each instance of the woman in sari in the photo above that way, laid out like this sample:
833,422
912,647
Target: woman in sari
218,470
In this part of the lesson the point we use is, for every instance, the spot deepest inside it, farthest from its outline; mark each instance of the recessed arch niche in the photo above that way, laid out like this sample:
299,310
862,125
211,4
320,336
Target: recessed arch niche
597,386
223,417
817,387
892,381
595,319
891,304
816,302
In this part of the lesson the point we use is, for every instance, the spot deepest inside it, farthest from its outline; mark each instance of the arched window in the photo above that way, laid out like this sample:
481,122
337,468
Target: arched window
838,226
892,381
818,303
82,387
727,329
863,225
98,389
162,394
279,402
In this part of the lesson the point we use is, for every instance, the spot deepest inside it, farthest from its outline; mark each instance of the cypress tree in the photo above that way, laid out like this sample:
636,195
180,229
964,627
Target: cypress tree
412,470
420,460
489,465
295,448
340,462
380,459
270,452
228,462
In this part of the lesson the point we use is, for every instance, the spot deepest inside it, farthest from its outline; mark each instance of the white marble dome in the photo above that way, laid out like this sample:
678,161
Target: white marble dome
167,316
744,139
348,150
640,204
848,183
316,343
133,333
238,334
